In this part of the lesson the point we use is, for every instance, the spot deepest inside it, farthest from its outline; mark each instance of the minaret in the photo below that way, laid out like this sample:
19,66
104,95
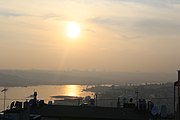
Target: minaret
35,96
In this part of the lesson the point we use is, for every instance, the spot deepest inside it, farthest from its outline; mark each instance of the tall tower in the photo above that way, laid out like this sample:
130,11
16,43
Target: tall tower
35,96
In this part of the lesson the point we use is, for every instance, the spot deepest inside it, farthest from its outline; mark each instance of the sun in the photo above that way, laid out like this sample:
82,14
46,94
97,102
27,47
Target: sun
73,30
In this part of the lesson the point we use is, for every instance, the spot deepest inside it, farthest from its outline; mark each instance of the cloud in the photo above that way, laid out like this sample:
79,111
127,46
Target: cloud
53,16
149,2
103,20
89,30
9,13
159,27
138,29
113,21
12,13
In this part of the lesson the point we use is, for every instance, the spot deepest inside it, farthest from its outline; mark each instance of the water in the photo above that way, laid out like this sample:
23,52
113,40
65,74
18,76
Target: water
44,92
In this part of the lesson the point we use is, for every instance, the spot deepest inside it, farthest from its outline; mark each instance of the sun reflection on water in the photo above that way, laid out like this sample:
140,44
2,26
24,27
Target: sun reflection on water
72,90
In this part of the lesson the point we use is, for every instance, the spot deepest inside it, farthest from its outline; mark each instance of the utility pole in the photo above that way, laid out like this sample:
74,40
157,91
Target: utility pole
137,97
4,90
178,95
96,96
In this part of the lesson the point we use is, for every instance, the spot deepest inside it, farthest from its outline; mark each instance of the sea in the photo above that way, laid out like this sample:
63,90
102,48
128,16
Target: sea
45,92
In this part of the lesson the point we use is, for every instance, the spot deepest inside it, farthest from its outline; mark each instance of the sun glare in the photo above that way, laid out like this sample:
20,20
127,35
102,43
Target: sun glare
72,90
73,30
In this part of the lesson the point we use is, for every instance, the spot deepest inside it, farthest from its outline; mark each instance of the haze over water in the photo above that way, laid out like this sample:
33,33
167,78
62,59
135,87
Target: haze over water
44,92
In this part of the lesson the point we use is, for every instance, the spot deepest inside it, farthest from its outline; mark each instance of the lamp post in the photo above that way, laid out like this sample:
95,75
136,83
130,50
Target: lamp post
4,90
137,97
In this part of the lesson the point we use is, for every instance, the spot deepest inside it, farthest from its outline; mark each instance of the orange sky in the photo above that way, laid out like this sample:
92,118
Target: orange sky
116,35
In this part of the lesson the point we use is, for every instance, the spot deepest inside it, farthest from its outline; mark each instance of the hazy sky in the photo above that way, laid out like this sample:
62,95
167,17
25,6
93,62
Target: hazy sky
116,35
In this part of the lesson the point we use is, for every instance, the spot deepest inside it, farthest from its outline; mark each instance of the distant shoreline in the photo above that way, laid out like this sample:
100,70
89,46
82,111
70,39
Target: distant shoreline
23,78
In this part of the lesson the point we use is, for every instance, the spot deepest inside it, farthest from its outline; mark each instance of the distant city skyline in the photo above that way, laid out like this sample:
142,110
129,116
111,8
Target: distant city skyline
115,35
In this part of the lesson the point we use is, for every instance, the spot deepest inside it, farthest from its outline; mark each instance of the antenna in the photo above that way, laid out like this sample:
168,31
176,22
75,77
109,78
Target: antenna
154,110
